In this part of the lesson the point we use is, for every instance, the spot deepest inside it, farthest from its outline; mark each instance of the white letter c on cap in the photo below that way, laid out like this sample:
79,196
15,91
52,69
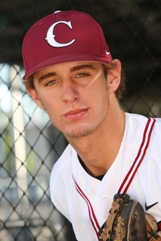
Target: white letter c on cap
50,37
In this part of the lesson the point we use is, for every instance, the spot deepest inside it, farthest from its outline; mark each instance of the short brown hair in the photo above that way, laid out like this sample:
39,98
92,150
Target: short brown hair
29,82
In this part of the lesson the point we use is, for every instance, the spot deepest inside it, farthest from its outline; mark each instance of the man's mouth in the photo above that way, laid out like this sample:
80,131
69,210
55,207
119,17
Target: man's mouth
76,114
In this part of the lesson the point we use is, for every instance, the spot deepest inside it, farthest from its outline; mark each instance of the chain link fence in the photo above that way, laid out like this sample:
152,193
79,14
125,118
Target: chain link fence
29,143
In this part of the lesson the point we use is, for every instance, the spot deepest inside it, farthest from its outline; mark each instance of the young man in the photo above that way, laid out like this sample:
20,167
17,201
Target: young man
69,72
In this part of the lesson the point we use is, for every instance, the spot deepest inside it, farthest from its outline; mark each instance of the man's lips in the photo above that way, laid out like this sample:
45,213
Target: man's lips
76,114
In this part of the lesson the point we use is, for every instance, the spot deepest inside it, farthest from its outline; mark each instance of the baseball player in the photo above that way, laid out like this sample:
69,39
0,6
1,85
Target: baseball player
70,72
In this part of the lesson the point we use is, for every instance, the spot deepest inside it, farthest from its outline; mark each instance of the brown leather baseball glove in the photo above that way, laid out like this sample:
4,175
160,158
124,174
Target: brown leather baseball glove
127,221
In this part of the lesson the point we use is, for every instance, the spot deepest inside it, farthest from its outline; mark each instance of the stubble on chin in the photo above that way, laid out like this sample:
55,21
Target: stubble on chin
79,133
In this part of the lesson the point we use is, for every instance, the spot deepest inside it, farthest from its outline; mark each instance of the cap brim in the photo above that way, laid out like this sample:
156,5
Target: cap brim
68,58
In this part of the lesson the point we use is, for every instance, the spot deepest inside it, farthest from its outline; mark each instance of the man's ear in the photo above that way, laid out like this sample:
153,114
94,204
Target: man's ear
114,76
35,97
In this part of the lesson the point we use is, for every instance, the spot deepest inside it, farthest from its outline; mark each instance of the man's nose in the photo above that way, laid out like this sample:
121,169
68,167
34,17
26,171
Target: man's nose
70,91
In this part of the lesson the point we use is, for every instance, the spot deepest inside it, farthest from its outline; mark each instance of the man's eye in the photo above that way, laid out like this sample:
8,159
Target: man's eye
82,75
51,82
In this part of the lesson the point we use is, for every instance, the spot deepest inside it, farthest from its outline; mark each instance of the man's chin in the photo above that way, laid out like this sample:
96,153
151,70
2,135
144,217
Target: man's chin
78,133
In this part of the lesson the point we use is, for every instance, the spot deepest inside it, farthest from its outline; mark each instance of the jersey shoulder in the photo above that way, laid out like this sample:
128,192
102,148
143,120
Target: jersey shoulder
136,125
60,181
141,131
63,162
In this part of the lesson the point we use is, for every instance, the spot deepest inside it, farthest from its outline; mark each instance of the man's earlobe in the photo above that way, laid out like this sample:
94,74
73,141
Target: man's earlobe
35,97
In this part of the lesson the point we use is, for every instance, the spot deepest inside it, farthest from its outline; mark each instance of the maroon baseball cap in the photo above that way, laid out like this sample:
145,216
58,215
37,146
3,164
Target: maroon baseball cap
63,36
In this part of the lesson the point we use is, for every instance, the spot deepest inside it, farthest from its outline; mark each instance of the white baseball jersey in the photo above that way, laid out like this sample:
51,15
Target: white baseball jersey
85,201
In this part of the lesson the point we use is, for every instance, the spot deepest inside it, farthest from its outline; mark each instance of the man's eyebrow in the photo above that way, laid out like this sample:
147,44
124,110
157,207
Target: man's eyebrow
82,66
45,76
75,68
